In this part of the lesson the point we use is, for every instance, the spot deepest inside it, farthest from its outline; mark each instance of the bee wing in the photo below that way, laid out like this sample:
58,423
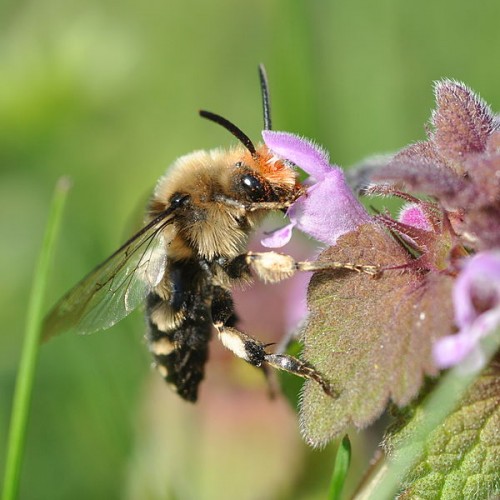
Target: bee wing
117,286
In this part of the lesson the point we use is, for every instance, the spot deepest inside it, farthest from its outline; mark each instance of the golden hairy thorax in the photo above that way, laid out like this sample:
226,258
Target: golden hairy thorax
212,227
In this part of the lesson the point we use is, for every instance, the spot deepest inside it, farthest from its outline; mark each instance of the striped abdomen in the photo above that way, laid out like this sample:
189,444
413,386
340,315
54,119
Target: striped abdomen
180,328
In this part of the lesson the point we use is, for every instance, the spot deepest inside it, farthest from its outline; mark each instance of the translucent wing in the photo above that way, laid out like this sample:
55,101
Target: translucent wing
117,286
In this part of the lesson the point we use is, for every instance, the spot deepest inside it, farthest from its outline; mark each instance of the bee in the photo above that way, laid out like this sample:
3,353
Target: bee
190,253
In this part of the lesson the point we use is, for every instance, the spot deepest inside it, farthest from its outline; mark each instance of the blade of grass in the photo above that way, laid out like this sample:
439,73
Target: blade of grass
29,354
342,462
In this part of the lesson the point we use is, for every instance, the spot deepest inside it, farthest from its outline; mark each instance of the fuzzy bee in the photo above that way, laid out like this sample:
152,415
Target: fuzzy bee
187,257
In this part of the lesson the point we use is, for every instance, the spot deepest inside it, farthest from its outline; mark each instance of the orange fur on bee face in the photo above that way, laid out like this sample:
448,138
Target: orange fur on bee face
271,168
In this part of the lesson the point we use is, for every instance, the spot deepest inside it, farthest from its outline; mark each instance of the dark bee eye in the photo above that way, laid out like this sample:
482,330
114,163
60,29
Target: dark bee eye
253,187
179,200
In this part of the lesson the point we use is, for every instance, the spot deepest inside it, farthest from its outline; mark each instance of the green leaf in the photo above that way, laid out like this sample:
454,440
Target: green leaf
459,458
371,337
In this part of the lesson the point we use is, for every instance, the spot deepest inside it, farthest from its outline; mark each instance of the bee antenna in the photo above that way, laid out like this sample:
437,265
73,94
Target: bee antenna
266,104
231,127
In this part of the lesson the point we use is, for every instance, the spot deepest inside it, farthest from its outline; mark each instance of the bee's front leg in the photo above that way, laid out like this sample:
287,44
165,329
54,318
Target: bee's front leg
272,267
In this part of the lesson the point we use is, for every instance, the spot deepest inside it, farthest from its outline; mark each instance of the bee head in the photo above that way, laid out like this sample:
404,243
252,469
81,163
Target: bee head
260,175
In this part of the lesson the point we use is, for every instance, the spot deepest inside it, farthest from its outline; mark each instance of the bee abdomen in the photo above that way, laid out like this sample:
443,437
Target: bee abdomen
180,348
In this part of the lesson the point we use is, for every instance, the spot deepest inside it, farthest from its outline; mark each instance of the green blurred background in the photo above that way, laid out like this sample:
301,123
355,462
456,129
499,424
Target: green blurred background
107,93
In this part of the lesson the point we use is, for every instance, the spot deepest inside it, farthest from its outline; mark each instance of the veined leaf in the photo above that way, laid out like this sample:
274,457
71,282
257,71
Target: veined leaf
371,337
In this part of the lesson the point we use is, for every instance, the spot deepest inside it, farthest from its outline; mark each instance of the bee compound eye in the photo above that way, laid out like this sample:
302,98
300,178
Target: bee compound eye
179,200
252,186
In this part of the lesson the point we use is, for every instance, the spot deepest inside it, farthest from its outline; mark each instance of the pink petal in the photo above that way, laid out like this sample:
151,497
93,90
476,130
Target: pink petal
480,274
464,347
305,154
450,350
278,238
478,283
329,209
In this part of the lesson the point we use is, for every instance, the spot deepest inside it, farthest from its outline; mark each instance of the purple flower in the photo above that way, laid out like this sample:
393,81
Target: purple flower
329,208
476,299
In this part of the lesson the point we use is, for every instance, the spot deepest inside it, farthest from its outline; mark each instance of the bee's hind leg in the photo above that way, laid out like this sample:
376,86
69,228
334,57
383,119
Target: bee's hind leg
224,316
243,345
254,352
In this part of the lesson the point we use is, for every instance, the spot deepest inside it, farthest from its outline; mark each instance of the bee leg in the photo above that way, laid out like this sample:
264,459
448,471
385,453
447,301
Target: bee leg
246,347
293,365
254,352
272,267
223,314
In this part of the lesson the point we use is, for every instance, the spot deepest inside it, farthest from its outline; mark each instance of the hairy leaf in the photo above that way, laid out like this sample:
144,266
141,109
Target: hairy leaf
461,457
371,337
462,121
485,172
484,224
420,169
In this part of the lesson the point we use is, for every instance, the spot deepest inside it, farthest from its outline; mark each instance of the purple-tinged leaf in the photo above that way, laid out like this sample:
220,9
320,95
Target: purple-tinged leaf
371,337
423,152
484,171
360,175
462,121
423,177
484,224
494,139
